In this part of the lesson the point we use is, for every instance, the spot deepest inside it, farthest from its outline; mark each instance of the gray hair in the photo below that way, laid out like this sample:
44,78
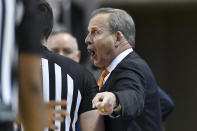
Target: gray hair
119,20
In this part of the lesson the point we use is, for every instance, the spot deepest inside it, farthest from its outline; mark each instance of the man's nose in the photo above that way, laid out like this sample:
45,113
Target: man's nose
88,40
62,53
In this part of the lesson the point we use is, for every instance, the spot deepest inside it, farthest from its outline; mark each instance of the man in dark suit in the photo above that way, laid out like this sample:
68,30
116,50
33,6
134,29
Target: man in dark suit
129,97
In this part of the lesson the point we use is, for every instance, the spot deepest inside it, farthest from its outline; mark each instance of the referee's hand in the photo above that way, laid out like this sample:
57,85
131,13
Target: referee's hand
55,114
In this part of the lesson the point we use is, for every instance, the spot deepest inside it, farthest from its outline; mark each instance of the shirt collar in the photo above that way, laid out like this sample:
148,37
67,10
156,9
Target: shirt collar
118,59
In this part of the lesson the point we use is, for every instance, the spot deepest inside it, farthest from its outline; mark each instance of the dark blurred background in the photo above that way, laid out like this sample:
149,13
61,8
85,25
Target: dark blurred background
166,37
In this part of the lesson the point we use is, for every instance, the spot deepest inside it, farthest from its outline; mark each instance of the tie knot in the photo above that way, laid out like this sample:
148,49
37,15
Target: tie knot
101,79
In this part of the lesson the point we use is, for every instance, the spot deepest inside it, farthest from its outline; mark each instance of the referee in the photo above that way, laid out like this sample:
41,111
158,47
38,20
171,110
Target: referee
29,61
64,79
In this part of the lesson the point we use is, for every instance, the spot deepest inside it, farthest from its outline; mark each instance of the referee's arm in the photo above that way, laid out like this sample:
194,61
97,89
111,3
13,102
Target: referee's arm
91,121
30,97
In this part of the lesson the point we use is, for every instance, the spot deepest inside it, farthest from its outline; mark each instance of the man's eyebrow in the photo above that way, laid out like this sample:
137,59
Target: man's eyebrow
93,28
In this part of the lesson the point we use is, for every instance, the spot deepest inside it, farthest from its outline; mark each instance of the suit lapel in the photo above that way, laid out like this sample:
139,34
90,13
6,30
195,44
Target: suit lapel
132,55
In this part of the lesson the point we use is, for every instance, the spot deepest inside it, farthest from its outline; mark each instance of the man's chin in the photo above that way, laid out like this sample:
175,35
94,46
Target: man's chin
94,64
94,67
97,65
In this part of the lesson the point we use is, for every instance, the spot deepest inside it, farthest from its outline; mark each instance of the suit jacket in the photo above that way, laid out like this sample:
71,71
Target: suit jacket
167,105
133,82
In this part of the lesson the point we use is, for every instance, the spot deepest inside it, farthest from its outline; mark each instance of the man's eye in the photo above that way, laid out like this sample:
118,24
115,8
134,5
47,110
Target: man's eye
55,50
94,32
67,51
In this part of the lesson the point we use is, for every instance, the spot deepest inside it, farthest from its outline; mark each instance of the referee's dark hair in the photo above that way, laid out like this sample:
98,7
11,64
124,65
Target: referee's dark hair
46,16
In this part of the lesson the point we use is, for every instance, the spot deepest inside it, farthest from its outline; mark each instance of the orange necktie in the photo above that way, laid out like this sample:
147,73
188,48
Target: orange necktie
101,79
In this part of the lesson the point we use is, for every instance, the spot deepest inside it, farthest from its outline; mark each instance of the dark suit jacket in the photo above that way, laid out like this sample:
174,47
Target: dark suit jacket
167,105
133,83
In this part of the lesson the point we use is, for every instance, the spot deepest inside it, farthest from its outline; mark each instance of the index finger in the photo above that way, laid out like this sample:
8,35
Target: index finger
56,103
61,112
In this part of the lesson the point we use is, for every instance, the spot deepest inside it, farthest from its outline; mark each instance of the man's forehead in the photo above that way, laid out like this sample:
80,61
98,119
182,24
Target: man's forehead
62,39
99,21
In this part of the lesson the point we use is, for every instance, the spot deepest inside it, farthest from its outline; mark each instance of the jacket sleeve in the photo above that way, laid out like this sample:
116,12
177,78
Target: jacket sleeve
129,87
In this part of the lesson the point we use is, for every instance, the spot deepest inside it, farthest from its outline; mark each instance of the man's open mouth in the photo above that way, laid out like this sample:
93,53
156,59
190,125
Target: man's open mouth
92,53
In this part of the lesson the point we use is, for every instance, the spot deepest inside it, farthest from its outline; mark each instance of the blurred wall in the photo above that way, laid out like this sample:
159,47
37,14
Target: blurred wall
167,39
80,15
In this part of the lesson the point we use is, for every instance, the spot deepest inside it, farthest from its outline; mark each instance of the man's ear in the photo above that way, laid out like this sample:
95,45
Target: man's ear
119,36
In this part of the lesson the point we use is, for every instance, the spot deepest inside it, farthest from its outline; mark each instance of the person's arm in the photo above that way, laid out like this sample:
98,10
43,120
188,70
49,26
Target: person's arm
28,34
31,106
89,118
127,92
91,121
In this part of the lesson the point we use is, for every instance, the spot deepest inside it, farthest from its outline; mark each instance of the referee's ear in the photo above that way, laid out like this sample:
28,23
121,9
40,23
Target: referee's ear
44,42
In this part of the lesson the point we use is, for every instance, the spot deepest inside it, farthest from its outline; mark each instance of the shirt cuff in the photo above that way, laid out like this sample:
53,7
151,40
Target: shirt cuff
116,112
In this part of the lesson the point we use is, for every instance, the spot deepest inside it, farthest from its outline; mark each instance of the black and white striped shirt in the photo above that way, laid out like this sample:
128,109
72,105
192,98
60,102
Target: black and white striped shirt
7,50
63,79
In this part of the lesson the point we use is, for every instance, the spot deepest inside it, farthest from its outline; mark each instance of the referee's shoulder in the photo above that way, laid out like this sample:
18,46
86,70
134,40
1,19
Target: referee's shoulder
65,62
